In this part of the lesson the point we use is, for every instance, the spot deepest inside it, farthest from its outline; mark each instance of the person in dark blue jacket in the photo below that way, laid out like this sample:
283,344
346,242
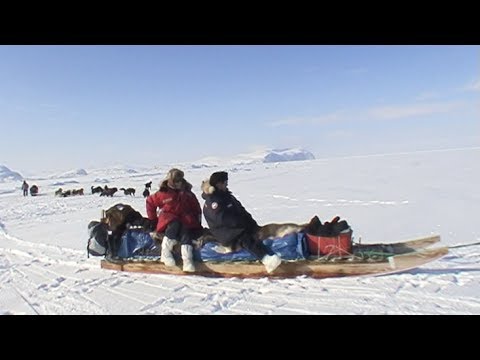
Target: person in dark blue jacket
230,223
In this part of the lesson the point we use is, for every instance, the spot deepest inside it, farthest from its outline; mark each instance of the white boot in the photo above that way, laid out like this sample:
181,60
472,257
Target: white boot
187,257
167,247
223,249
271,262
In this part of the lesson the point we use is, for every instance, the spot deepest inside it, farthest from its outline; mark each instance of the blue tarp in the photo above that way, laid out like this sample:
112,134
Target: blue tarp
139,243
135,243
289,247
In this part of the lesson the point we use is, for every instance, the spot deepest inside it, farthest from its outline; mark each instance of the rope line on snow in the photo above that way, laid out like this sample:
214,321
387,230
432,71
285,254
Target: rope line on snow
463,245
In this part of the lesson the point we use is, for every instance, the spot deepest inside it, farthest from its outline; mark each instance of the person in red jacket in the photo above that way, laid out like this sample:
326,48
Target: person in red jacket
179,218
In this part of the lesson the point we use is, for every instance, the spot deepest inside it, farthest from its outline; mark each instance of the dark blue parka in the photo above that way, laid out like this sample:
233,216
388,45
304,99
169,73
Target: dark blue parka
226,217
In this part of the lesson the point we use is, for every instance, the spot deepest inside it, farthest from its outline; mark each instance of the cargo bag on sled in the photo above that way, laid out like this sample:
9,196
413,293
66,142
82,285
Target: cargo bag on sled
97,244
122,232
332,238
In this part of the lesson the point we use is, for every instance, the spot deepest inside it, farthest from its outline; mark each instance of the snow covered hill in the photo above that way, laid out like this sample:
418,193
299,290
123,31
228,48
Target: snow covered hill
8,175
281,155
70,174
255,157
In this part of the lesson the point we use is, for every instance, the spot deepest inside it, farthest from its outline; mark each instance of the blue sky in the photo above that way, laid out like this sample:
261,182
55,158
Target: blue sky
65,107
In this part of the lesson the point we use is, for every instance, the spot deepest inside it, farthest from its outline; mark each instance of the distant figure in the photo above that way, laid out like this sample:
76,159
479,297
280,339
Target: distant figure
34,190
148,185
146,193
25,188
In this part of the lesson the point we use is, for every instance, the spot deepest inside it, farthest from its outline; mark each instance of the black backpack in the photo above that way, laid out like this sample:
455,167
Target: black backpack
116,220
98,239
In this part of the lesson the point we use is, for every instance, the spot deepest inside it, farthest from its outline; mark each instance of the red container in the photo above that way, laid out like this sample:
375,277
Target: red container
340,245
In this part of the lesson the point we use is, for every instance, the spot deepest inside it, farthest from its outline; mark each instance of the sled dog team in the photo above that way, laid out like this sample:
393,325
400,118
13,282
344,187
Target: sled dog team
177,213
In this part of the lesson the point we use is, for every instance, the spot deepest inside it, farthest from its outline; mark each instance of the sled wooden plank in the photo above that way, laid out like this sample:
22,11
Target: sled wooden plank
401,247
310,268
419,243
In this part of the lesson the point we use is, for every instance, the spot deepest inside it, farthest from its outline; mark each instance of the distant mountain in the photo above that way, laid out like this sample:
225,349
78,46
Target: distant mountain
61,183
207,162
8,175
115,171
70,174
280,155
275,155
260,156
201,166
101,180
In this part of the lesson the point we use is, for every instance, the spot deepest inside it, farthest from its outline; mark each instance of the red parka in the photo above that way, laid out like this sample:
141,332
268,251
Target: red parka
179,205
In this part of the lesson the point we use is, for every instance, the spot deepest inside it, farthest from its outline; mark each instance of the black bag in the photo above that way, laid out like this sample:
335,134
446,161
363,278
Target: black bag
98,239
119,218
329,228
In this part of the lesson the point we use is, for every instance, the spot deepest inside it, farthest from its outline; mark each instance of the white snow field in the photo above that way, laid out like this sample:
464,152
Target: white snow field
386,198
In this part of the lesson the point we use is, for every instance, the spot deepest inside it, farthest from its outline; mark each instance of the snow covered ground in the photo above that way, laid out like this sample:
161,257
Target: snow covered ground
44,267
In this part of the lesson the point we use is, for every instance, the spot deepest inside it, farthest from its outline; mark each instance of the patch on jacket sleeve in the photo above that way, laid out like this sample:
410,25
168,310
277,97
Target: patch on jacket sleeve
214,205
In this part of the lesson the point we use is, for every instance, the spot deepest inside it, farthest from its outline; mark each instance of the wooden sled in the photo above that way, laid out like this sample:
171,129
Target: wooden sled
368,259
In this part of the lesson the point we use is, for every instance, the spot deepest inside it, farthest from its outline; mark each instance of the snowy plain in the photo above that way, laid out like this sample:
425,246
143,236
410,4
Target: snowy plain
386,198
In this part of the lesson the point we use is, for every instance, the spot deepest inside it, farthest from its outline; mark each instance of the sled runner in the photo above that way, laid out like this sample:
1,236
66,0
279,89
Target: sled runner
366,259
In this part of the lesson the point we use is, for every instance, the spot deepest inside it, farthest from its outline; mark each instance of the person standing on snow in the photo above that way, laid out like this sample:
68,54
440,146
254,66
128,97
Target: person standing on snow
25,188
179,218
231,224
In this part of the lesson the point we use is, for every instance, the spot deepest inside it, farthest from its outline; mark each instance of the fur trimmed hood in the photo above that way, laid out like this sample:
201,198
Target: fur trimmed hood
207,188
185,186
